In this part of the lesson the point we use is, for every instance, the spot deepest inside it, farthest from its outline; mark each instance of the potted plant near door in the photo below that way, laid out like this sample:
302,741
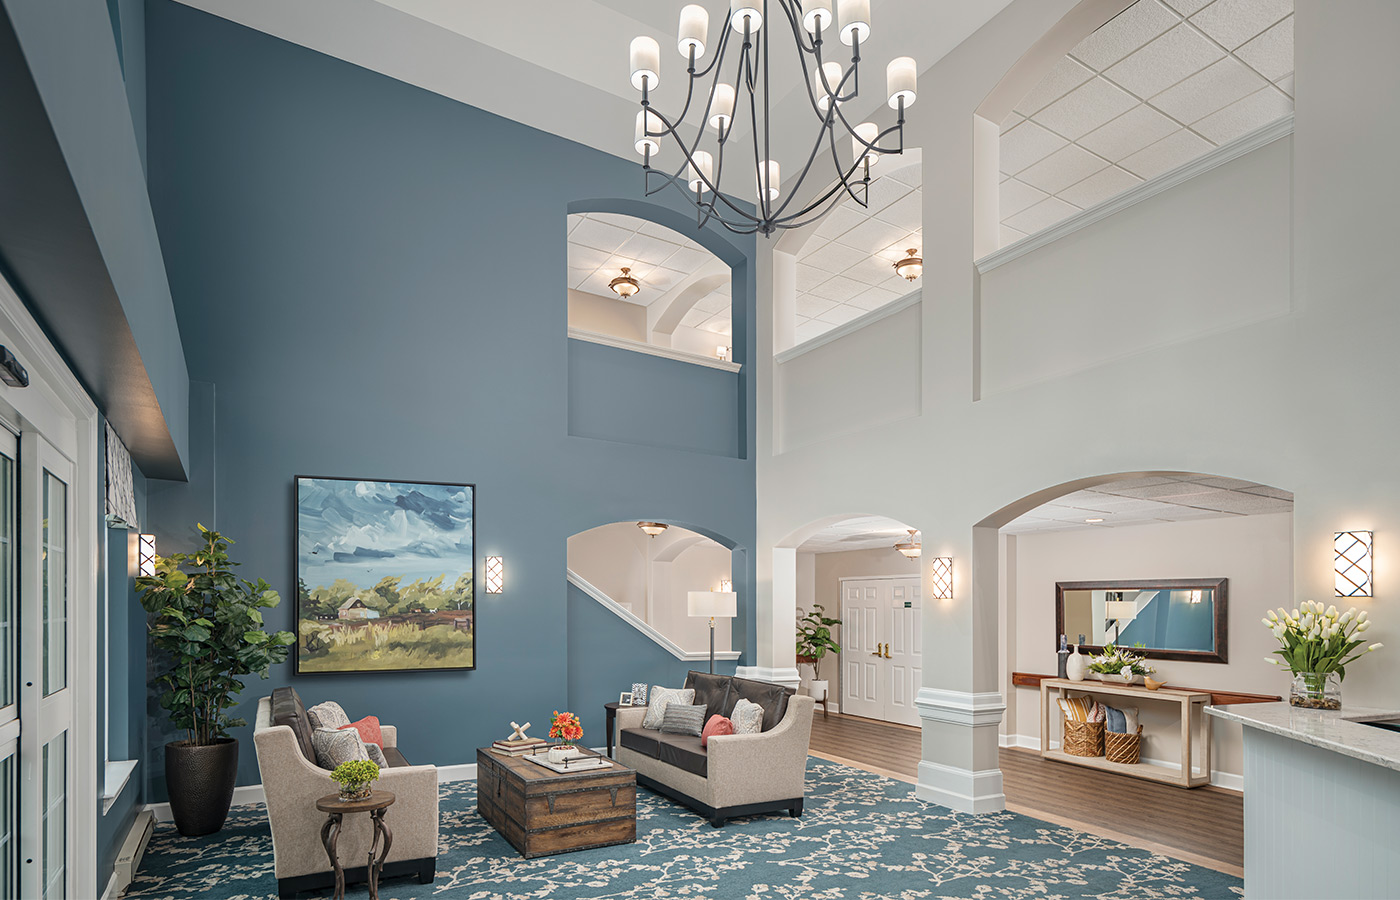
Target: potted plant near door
208,628
813,643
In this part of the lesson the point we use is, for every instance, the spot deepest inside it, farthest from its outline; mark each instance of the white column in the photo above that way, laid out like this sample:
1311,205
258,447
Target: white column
777,624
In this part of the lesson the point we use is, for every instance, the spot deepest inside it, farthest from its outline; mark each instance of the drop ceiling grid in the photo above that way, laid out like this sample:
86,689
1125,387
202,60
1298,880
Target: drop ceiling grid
600,244
1153,500
1195,75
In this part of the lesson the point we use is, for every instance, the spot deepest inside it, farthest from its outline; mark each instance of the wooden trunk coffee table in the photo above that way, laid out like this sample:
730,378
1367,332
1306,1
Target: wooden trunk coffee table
542,812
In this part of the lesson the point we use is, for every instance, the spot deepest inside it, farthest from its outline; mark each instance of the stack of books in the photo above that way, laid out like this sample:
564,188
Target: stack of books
520,747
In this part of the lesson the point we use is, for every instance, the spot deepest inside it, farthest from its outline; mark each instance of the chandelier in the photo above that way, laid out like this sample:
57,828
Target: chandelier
739,88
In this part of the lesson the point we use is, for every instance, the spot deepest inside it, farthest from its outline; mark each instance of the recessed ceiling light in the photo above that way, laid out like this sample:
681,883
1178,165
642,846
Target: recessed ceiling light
1093,521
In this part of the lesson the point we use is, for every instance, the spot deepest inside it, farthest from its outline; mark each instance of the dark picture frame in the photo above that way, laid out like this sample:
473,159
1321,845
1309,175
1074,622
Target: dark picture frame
393,556
1220,627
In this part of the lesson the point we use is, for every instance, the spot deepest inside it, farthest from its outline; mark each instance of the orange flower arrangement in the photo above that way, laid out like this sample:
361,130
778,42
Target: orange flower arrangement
565,728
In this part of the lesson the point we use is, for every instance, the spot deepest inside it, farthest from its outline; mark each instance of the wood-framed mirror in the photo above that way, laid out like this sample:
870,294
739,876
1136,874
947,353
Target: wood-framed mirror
1168,618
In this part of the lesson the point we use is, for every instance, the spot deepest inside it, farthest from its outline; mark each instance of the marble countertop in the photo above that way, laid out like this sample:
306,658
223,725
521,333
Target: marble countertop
1334,730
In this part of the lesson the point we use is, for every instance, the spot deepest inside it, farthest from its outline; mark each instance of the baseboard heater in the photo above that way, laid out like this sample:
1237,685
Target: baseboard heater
133,848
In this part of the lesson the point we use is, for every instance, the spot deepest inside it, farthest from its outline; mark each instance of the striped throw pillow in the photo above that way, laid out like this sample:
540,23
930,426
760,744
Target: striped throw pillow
1079,709
680,719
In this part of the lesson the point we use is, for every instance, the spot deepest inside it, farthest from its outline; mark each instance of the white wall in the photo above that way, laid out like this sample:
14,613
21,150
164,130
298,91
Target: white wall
1254,552
627,565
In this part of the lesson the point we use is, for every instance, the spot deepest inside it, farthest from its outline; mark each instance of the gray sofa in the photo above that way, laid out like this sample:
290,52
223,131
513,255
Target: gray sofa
293,783
736,775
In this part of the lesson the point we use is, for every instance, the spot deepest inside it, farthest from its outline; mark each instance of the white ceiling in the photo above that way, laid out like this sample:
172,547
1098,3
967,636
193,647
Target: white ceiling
859,533
1152,500
1159,85
846,269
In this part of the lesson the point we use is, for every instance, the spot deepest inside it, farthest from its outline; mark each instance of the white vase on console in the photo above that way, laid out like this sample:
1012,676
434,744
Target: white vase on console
1076,666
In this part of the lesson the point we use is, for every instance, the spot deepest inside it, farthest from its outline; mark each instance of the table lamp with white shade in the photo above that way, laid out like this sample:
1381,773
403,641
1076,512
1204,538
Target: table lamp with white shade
1118,611
716,605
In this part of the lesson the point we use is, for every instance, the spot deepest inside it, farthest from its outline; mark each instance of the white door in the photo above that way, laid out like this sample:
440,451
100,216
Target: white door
9,671
863,612
46,719
881,648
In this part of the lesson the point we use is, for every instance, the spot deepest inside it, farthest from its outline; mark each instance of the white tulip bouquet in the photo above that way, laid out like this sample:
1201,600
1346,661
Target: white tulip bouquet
1317,641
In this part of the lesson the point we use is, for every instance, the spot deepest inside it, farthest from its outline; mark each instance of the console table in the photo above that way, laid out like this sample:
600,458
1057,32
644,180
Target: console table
1195,729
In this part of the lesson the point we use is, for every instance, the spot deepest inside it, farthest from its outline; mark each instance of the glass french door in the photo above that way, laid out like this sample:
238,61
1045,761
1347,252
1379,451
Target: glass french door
46,710
9,671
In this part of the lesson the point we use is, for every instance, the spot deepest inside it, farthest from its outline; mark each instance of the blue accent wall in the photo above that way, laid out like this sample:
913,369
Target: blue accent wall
370,282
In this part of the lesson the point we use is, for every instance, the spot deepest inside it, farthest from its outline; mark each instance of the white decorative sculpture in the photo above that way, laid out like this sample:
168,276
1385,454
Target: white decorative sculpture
519,733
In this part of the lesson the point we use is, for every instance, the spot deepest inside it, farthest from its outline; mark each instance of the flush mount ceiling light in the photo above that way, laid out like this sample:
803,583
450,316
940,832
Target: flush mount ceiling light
624,285
911,266
829,87
912,547
652,528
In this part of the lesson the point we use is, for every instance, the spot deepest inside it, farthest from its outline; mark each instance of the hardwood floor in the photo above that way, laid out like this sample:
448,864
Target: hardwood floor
1203,826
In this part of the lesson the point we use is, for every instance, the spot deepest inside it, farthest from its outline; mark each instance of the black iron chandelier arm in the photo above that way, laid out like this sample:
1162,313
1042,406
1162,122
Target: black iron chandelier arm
669,128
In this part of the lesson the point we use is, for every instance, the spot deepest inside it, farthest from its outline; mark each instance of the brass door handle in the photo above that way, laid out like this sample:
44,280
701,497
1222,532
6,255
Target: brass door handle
877,650
887,652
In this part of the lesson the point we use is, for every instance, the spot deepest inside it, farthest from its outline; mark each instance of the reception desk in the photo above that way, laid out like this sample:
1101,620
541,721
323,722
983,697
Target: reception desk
1321,802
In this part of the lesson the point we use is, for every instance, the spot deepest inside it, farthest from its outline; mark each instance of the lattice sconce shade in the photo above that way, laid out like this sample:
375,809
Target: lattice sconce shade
942,578
1353,553
146,554
495,575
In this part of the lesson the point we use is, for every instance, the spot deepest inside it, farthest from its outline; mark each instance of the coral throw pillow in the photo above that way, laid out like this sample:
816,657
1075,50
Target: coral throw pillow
716,725
368,727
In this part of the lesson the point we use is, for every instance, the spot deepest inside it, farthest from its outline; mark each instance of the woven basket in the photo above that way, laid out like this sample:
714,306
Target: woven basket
1083,738
1123,748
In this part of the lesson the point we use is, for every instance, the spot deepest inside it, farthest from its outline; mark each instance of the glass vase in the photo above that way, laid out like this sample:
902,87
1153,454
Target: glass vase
1316,690
350,793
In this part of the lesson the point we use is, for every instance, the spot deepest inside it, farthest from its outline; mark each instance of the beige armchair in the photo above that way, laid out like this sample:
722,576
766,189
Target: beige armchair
293,783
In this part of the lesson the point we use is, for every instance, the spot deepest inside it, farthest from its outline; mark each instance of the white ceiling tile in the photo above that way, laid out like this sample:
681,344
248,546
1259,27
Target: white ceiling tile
812,329
1126,32
653,251
840,315
809,277
573,223
1180,52
1011,121
1271,53
1266,491
1010,235
870,270
695,317
1066,166
1016,196
581,257
1044,214
1129,133
1224,484
1168,153
911,174
1026,144
906,212
1243,116
840,220
617,220
718,325
599,235
1285,84
1208,90
713,303
1233,22
872,235
1088,106
1099,187
1063,77
578,276
874,298
839,289
1172,489
651,229
814,243
1146,481
660,280
836,258
811,307
883,192
597,283
687,260
1187,7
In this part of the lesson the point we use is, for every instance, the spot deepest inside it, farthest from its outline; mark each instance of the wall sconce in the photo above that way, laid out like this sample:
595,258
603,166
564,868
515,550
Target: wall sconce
1353,554
726,586
495,575
722,352
146,555
942,578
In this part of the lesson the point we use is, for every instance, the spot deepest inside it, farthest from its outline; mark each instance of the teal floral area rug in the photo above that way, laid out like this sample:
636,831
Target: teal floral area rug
861,837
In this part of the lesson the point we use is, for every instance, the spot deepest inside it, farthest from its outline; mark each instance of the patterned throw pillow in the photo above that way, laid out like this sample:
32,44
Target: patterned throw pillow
376,753
1079,709
660,698
683,719
334,746
747,717
327,715
369,730
717,725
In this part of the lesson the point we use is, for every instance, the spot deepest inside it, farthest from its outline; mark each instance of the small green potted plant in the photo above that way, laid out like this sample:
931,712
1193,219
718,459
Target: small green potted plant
356,778
207,630
813,644
1117,664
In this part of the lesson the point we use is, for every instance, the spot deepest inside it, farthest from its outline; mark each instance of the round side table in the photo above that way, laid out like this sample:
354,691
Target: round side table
336,809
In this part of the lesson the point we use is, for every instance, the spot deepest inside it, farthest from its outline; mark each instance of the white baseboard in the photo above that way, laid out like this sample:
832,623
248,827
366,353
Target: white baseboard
111,891
960,789
1230,781
788,677
252,794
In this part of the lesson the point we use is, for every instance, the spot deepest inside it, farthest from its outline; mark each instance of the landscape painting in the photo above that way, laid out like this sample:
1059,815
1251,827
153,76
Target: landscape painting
384,576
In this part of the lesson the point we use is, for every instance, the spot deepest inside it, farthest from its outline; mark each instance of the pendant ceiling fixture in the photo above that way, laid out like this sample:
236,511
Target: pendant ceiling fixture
739,87
911,266
624,285
911,547
652,528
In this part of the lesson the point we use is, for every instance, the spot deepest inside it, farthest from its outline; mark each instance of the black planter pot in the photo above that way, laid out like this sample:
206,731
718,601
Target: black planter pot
200,781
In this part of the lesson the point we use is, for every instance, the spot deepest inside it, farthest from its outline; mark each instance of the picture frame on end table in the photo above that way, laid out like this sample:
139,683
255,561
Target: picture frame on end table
639,694
624,699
